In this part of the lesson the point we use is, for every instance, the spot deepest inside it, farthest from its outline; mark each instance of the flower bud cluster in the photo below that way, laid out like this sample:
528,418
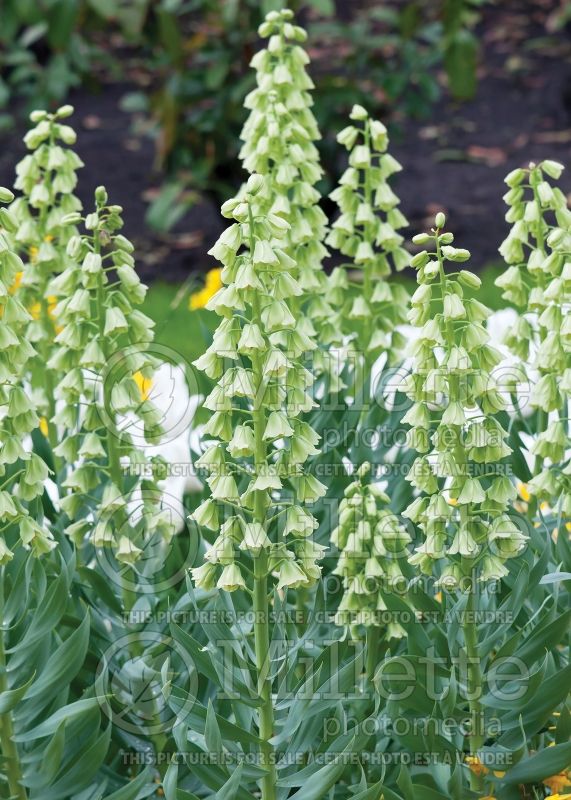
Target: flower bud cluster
47,179
99,291
279,142
538,283
259,488
22,473
464,495
367,232
371,541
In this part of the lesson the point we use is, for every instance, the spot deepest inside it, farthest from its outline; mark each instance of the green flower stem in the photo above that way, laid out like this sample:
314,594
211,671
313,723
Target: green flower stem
114,459
368,235
262,646
474,683
115,471
542,416
363,393
442,276
372,650
474,668
260,595
116,474
45,344
8,746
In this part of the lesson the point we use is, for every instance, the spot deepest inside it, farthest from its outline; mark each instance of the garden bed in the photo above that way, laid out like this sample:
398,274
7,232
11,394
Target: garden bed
455,159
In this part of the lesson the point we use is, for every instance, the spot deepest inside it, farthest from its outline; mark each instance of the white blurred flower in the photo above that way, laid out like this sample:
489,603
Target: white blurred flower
511,370
170,393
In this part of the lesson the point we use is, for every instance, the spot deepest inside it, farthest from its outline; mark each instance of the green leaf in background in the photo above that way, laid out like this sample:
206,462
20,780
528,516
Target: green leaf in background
461,62
230,789
170,205
324,7
131,790
11,697
535,768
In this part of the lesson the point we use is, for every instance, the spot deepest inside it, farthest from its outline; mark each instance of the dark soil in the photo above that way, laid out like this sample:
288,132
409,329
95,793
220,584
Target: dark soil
455,160
114,156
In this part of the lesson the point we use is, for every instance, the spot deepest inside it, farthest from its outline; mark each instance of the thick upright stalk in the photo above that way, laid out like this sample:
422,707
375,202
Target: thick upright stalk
372,651
542,416
48,380
8,746
262,647
365,359
136,648
114,456
48,325
469,625
260,597
474,683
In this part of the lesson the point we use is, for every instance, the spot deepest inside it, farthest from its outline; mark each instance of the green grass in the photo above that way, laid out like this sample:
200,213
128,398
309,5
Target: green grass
187,333
489,293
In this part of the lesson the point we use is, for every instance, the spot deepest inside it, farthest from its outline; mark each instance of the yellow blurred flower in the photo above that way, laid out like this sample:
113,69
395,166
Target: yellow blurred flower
145,385
17,281
524,492
36,309
34,250
476,765
558,796
43,426
212,284
558,782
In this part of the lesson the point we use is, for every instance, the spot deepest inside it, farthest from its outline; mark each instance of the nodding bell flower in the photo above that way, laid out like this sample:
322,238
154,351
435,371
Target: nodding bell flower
538,282
372,542
104,344
257,408
462,438
47,178
367,234
279,143
23,473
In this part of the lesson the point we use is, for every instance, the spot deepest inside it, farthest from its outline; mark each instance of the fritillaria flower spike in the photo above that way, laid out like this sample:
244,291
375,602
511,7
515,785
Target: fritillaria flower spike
464,492
262,392
102,347
367,232
538,282
22,472
371,540
279,143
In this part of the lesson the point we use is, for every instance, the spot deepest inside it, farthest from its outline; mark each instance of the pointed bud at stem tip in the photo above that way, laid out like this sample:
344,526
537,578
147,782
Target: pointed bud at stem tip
358,113
38,116
6,196
440,220
422,238
101,195
64,111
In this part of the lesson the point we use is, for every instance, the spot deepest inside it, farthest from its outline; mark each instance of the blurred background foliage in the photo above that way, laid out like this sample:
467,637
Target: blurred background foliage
195,54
